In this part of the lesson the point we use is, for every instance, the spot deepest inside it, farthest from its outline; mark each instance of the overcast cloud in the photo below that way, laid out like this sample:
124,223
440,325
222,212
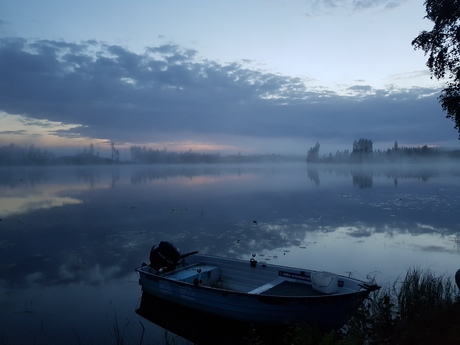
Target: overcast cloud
122,96
170,92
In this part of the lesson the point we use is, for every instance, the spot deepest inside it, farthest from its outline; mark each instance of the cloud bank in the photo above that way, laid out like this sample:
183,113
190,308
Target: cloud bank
170,93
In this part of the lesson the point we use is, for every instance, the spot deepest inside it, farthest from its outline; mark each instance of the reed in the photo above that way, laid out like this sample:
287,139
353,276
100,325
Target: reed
428,307
422,294
422,308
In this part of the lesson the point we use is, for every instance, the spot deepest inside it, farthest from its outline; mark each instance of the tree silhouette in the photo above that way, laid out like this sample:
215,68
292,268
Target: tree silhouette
442,45
362,147
313,153
115,153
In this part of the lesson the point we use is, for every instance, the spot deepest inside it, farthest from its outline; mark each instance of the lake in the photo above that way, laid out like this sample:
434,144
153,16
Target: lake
71,237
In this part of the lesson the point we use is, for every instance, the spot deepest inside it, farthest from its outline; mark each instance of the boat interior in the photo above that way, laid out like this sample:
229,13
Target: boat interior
256,279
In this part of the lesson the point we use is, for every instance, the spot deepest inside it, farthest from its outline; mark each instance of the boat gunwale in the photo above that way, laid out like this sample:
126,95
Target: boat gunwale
363,288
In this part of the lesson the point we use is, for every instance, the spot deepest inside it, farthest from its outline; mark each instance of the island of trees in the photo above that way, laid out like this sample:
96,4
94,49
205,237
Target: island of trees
363,152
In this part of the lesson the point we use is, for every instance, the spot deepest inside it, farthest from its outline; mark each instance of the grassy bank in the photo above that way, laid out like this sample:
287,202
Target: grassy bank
420,309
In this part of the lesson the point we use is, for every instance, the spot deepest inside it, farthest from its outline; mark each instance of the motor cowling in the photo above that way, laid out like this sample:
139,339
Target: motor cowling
165,256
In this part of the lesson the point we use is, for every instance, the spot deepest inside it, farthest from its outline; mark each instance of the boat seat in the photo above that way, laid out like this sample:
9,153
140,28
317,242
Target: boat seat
265,287
205,274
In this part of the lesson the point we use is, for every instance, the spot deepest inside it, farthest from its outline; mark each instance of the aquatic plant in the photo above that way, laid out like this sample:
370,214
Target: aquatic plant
420,309
427,306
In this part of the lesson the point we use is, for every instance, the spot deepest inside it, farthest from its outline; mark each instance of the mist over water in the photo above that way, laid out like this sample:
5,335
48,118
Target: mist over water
70,237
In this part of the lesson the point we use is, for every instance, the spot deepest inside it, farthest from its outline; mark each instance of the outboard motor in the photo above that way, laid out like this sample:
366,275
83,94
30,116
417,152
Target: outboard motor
164,256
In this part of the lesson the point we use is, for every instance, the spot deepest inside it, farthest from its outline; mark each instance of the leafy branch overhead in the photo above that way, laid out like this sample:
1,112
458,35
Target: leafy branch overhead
442,45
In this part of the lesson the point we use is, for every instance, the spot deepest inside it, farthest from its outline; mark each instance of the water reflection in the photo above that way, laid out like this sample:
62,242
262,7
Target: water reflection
202,329
24,201
362,175
90,226
24,190
68,222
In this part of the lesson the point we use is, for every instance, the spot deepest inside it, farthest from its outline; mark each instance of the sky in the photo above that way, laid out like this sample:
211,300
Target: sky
260,76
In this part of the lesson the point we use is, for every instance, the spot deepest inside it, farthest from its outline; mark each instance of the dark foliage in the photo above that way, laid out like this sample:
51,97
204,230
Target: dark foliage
363,153
442,45
22,155
313,153
421,309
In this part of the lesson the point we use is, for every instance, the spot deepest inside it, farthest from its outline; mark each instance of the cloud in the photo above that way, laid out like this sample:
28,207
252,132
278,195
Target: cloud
325,7
360,88
169,92
367,4
18,132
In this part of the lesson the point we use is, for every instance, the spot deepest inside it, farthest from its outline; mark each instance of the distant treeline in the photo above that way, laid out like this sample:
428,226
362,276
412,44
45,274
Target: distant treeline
143,155
14,155
362,152
18,155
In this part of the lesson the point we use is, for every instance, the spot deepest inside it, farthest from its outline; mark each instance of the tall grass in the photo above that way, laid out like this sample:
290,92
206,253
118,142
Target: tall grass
427,305
423,294
420,309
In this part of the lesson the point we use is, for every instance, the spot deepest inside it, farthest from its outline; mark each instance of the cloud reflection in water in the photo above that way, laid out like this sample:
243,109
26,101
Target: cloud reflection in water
81,247
96,221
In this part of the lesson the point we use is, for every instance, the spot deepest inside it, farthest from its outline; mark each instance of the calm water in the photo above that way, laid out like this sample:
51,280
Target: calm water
71,237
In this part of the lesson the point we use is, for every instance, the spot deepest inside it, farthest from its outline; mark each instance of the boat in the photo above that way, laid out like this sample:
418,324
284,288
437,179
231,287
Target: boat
249,291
